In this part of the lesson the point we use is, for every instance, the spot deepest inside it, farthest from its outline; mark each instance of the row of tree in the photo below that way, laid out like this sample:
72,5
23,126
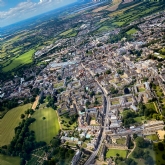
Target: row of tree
23,142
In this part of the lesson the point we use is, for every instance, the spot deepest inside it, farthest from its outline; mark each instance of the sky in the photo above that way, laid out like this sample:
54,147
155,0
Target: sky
12,11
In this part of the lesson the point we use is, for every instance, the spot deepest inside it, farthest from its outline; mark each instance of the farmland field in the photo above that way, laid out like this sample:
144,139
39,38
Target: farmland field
8,160
9,122
23,59
45,129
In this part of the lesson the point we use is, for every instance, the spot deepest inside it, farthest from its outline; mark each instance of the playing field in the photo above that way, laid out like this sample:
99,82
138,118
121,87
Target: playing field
9,122
8,160
113,152
130,32
66,32
45,129
23,59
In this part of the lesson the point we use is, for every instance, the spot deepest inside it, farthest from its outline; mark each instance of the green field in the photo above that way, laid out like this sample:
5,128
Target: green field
23,59
115,102
152,137
45,129
118,23
121,141
57,85
158,91
151,106
8,160
140,119
104,28
141,89
131,31
66,32
9,122
113,152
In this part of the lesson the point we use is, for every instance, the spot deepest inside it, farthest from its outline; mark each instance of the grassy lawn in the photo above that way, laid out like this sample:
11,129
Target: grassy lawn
9,122
99,98
139,119
163,101
158,91
131,31
118,23
45,129
121,141
141,89
115,102
65,124
8,160
152,137
58,85
113,152
129,99
66,32
73,34
104,28
151,106
23,59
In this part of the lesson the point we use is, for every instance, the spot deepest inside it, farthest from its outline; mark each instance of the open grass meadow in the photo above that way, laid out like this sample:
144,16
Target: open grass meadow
9,122
8,160
45,129
113,152
23,59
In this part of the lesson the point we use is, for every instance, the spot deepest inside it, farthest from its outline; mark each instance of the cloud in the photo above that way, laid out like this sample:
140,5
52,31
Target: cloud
28,9
2,3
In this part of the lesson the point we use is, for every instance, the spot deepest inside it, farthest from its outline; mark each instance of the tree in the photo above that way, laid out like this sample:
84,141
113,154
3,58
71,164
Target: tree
108,71
138,153
149,160
140,142
160,146
126,91
92,94
135,136
22,116
130,161
163,156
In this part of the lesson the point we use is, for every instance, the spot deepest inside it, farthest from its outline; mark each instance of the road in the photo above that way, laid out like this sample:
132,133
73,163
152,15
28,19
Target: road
106,109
